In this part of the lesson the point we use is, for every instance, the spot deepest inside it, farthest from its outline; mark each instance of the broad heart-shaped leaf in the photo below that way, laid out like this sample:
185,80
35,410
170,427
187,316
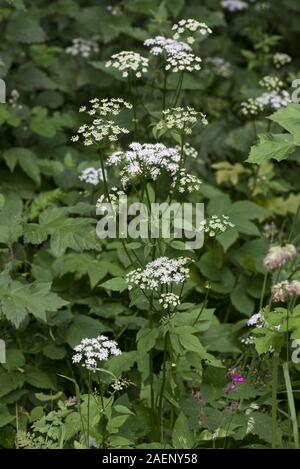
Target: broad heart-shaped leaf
289,118
115,284
5,416
10,381
22,28
272,147
241,300
19,299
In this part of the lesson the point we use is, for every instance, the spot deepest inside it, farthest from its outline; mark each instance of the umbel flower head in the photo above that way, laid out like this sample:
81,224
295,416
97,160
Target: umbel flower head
256,320
188,150
183,62
190,30
280,59
278,256
169,300
147,160
108,108
162,45
83,47
160,272
91,352
91,176
186,182
215,225
271,83
129,62
102,128
180,119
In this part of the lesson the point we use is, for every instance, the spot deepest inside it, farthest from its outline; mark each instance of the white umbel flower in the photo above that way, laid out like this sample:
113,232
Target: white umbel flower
163,271
83,47
128,62
91,176
271,83
190,29
183,62
92,351
169,300
280,59
161,44
215,225
188,151
181,119
186,182
106,107
147,160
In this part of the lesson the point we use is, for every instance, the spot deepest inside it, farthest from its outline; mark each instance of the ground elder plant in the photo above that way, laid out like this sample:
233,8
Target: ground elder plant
128,132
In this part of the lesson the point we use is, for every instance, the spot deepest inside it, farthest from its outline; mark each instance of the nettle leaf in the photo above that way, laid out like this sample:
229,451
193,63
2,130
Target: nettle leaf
277,147
22,28
19,299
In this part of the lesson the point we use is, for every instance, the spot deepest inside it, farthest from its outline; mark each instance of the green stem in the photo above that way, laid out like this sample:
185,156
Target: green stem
291,402
88,415
163,383
274,390
178,89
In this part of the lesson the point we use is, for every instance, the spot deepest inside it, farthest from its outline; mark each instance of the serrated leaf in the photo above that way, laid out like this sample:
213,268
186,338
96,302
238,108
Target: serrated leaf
277,147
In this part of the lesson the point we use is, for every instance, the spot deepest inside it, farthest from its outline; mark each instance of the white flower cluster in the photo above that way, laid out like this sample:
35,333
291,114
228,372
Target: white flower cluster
280,59
92,351
102,127
114,197
106,107
128,62
98,131
271,83
269,99
186,182
162,271
169,300
148,160
181,119
14,99
188,150
251,107
183,61
220,66
161,44
190,28
274,99
83,47
234,5
216,225
91,176
257,320
120,384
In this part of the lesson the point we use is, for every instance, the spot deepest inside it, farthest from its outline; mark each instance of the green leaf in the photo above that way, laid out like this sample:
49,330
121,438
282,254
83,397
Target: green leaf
22,28
81,264
39,379
82,327
289,118
277,147
19,299
182,436
115,284
146,339
10,381
5,416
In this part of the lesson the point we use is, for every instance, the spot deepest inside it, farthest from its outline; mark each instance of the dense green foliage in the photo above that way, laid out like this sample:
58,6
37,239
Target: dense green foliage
60,283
